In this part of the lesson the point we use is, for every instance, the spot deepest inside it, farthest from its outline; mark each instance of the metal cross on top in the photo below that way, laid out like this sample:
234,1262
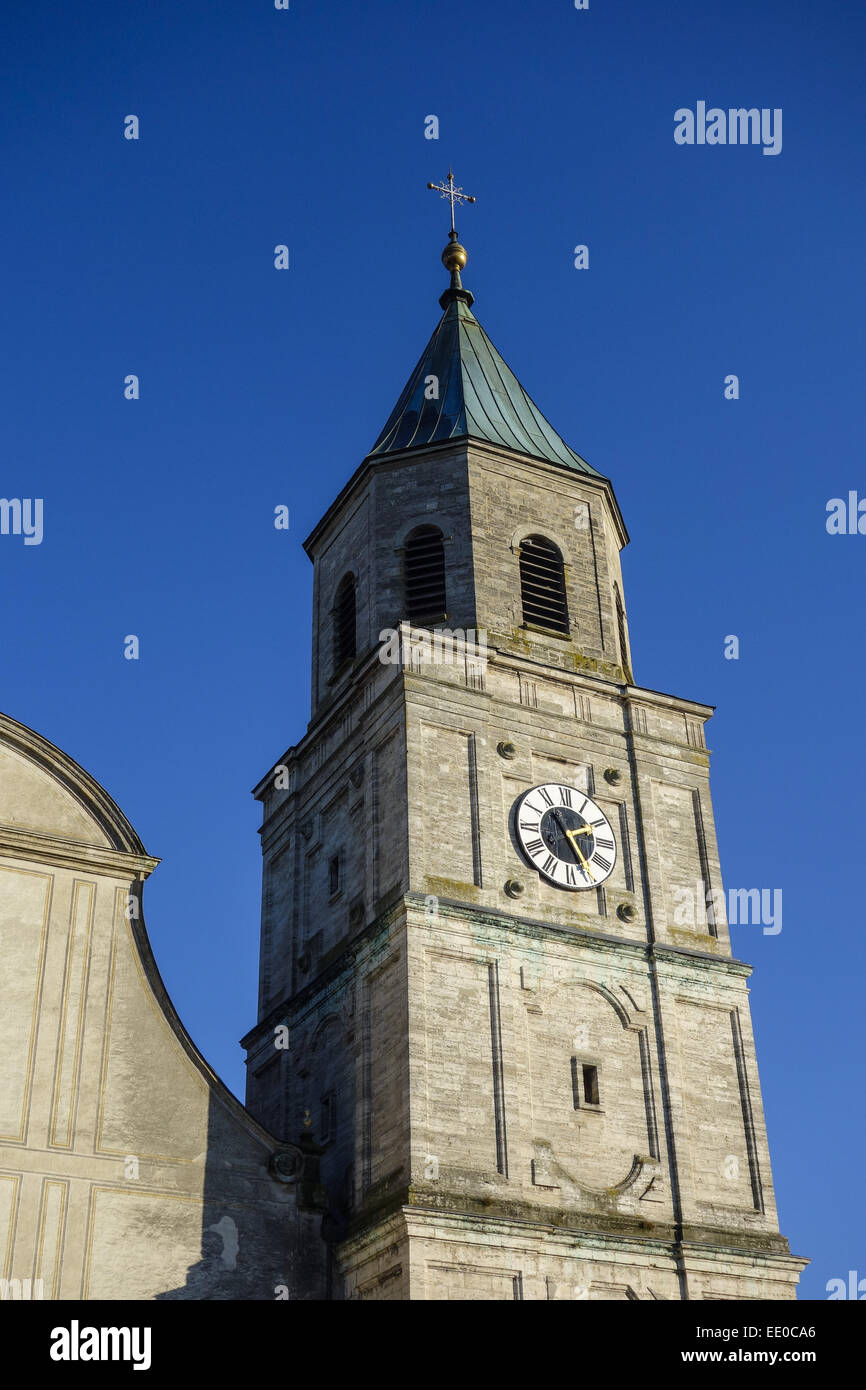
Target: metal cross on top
454,195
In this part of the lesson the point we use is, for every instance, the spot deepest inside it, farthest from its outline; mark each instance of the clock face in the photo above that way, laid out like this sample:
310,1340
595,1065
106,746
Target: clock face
565,836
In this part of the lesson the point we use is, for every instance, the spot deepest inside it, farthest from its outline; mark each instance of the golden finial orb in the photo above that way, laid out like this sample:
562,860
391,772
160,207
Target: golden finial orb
454,256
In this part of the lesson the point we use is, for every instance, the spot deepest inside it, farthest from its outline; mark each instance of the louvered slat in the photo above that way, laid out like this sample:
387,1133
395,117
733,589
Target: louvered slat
542,585
425,576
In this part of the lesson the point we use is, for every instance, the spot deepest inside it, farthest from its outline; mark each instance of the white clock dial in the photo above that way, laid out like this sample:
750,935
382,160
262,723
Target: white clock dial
565,836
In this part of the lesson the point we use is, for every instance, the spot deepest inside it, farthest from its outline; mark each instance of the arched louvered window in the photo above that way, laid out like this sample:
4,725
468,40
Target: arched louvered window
620,625
424,571
344,621
542,585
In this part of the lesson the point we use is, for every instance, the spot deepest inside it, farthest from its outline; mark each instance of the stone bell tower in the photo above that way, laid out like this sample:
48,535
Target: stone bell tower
527,1078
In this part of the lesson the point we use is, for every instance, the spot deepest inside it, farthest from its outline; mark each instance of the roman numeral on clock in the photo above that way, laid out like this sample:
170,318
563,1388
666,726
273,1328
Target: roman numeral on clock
603,844
542,791
530,825
549,863
601,862
534,846
565,796
570,875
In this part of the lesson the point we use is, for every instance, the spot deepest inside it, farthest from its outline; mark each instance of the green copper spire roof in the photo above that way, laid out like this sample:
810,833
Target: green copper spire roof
477,394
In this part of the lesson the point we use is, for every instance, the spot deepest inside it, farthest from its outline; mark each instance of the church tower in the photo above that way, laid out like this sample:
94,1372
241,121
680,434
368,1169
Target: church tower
530,1072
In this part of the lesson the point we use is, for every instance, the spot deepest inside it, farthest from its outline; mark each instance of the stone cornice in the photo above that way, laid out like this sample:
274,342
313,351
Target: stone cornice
457,448
414,679
368,466
36,847
599,940
512,1217
447,907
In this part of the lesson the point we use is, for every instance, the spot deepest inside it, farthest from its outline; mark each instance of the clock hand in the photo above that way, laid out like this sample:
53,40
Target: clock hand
581,830
559,821
572,836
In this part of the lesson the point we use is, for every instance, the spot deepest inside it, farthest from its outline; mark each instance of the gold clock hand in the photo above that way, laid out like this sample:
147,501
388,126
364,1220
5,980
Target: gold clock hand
572,835
581,830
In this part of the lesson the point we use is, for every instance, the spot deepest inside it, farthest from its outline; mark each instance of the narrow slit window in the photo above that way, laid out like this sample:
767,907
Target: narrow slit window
542,585
334,875
590,1084
424,571
328,1118
585,1084
344,622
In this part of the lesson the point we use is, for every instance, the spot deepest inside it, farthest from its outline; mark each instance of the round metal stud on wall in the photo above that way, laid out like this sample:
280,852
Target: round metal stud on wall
285,1165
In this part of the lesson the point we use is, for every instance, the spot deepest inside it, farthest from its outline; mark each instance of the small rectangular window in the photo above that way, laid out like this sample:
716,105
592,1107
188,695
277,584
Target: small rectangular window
586,1092
334,875
590,1084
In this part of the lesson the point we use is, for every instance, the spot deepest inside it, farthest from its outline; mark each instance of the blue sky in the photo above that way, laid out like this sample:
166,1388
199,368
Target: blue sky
260,387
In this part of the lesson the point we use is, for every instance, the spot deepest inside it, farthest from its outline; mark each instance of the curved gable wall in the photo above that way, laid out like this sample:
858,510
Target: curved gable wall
127,1169
32,799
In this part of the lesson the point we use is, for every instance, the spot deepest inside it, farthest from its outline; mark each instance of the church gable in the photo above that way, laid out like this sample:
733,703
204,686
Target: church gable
32,798
47,802
162,1185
